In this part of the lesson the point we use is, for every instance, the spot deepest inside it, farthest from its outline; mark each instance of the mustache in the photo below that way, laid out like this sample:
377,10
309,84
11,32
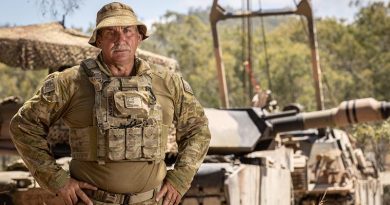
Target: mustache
121,47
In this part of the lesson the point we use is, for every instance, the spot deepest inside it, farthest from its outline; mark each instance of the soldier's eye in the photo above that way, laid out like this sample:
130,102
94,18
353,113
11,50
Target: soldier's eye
130,30
109,33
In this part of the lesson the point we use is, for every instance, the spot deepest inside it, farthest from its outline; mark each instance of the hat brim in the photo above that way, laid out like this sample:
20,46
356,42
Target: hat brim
119,21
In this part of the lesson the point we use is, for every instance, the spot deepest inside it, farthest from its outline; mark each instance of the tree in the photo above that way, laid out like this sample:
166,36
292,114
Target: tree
186,38
62,7
372,31
374,138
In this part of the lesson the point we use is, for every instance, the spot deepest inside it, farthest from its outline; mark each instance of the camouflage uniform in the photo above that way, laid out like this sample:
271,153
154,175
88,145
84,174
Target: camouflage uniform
70,95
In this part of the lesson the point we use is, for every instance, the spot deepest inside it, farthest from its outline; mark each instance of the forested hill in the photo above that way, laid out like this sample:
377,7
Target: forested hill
354,57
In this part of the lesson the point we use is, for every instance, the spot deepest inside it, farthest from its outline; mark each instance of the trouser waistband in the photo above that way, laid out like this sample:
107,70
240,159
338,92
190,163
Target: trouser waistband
121,199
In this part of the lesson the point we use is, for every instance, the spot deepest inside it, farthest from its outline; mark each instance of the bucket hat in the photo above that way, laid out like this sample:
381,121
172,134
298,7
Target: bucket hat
117,14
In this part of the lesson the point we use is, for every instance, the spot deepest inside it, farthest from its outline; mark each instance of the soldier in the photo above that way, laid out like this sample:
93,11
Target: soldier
118,109
260,98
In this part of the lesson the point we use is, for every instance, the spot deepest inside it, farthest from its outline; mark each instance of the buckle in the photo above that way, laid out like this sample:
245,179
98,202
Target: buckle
110,197
126,199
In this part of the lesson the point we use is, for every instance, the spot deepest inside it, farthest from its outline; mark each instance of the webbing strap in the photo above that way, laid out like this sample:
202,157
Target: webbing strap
97,78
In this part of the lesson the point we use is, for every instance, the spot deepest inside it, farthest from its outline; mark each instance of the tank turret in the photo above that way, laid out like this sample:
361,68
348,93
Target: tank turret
347,113
240,131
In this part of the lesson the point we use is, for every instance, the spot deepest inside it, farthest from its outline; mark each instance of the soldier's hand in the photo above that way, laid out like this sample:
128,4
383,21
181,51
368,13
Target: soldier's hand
171,196
72,191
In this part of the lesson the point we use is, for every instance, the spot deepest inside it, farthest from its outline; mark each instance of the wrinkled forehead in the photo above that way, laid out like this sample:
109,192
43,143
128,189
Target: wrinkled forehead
119,28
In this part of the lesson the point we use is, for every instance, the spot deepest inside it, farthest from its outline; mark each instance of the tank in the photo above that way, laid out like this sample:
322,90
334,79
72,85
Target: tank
257,158
289,157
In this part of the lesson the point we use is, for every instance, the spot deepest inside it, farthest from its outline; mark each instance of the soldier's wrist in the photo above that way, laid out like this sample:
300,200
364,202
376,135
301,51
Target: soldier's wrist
60,179
176,183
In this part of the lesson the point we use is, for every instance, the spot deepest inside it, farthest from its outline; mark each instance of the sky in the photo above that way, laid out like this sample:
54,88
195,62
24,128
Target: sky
25,12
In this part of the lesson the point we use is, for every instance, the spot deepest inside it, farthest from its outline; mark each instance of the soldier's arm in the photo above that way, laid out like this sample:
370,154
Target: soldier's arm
192,136
29,128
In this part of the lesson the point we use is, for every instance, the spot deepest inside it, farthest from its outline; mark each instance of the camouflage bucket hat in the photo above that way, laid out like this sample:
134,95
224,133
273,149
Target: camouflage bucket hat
117,14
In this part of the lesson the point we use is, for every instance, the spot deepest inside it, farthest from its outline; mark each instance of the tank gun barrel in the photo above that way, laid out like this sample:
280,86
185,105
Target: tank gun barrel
347,113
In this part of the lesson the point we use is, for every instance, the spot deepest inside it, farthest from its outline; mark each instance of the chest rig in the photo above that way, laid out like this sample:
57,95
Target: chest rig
128,119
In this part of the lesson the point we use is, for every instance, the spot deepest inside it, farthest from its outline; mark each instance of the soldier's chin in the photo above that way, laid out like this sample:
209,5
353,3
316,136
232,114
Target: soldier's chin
121,54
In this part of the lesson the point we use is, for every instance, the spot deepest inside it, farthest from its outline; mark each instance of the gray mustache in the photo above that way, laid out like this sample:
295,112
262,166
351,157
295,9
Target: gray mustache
121,47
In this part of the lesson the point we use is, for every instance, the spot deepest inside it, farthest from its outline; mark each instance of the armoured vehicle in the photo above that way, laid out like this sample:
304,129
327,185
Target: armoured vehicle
254,158
287,157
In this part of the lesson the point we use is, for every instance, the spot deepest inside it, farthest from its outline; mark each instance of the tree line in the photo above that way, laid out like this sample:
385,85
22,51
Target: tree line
354,56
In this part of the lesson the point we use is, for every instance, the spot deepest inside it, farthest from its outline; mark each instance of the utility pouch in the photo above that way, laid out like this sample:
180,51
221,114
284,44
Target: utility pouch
131,103
152,141
116,144
133,143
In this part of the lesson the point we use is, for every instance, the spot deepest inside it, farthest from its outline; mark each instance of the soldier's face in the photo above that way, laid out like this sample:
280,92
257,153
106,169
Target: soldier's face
118,43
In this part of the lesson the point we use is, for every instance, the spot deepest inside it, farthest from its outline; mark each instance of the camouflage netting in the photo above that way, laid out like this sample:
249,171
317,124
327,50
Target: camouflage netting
51,46
43,46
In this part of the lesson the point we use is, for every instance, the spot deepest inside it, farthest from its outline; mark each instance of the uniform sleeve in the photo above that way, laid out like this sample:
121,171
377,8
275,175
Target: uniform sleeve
29,128
192,136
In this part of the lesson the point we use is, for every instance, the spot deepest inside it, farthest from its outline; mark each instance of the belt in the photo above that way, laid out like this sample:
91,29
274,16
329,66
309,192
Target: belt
121,199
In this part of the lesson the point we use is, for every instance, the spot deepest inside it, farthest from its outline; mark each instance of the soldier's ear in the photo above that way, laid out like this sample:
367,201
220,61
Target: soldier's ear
98,39
98,43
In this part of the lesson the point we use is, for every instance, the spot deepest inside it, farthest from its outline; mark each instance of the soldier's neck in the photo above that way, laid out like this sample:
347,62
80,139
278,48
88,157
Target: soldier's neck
121,70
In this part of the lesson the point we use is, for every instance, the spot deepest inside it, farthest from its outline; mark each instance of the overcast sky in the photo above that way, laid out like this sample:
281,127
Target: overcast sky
24,12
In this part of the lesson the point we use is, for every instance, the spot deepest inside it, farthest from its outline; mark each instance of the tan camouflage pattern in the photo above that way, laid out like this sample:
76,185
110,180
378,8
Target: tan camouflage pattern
192,137
134,127
31,124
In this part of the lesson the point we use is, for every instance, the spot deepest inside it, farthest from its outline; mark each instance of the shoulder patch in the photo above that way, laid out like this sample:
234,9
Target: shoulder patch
49,90
48,86
187,87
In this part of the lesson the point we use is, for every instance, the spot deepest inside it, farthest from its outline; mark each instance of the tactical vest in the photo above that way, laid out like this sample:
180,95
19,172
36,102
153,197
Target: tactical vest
127,119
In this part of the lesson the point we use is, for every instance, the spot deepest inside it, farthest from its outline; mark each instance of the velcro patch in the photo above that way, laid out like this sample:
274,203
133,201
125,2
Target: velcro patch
48,86
133,102
187,87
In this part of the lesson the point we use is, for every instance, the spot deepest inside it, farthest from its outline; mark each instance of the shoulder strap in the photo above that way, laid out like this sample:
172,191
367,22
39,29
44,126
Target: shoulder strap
88,65
96,77
94,74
